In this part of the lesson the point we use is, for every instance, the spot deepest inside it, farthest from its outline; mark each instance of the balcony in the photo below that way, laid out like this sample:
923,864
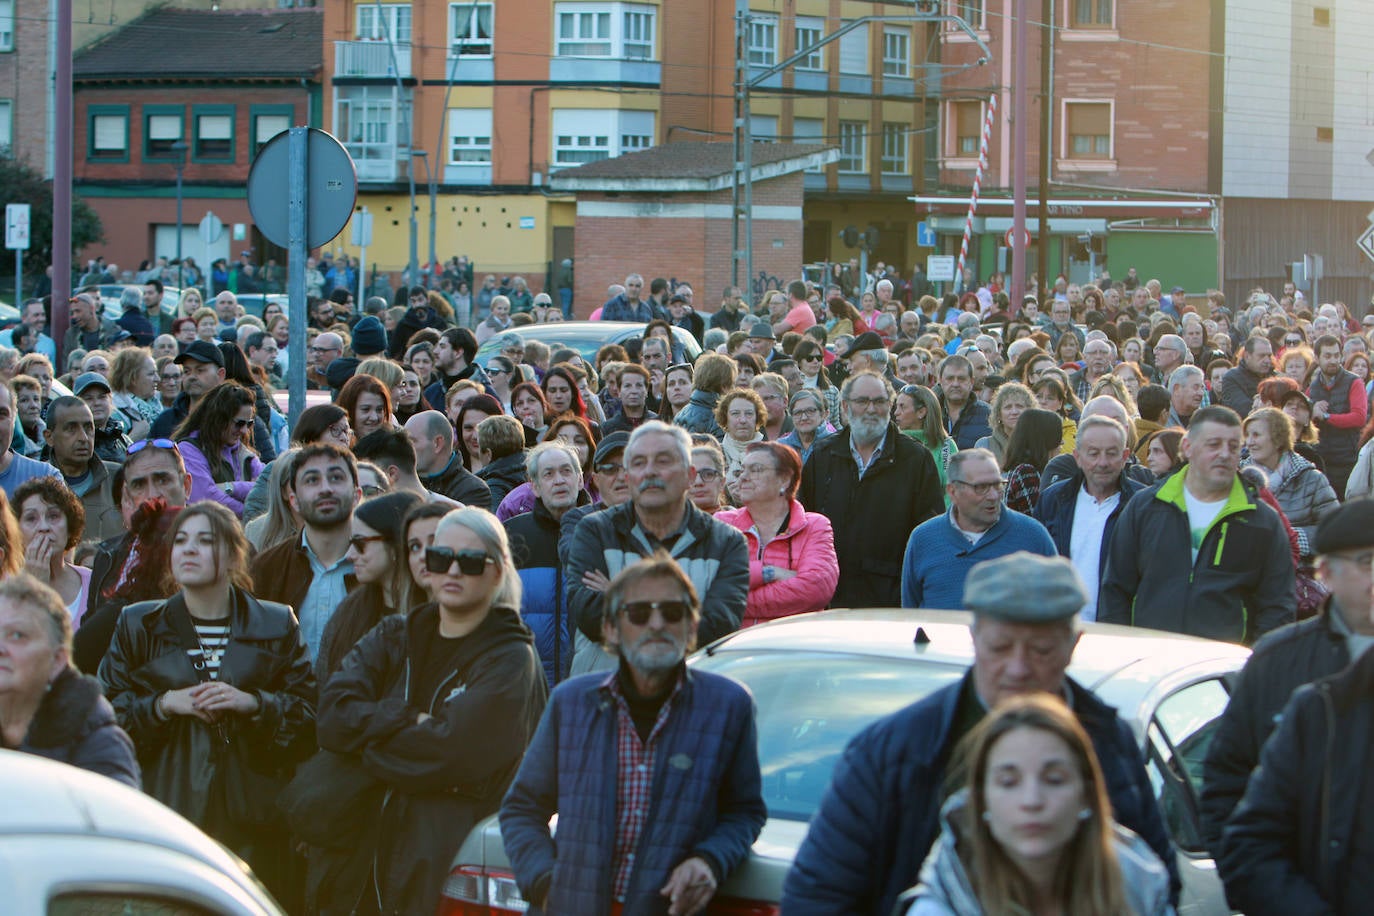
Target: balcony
370,60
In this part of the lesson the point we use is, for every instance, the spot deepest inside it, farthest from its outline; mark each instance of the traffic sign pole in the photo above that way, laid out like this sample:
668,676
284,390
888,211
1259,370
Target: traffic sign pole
297,171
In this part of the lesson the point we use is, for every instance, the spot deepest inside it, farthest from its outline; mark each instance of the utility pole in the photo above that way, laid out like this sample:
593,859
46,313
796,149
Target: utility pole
1042,248
1020,114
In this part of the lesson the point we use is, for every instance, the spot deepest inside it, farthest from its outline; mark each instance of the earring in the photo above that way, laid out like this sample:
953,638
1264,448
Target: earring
1085,814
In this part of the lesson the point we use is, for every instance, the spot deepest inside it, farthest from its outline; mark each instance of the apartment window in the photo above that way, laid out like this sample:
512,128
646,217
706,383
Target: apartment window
854,51
853,141
1089,129
896,52
469,136
213,139
763,128
615,30
107,133
590,135
268,122
809,130
808,31
895,140
6,25
763,40
968,129
470,29
389,21
7,127
1092,14
162,129
971,11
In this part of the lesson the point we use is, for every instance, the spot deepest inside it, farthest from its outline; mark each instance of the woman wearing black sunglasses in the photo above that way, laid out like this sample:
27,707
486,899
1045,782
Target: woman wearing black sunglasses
216,442
440,704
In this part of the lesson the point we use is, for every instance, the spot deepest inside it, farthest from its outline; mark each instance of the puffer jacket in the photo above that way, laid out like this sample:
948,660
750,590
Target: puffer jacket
183,763
543,605
75,724
706,798
445,774
945,888
807,547
1304,495
698,415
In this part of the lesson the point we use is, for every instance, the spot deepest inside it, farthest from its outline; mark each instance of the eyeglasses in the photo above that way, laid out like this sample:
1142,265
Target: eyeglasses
326,349
1292,341
805,413
494,371
341,430
868,403
470,562
359,542
755,469
813,358
371,490
638,612
173,377
243,424
155,443
708,475
609,467
981,489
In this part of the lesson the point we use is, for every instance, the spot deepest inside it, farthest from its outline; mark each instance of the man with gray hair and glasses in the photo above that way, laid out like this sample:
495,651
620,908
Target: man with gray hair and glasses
875,485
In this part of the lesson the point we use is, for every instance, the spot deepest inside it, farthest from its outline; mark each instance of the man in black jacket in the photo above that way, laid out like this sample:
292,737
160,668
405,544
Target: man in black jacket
439,466
1298,654
875,485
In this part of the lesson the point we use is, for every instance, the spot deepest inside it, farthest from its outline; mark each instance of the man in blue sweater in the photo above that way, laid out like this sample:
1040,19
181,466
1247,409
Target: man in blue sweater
976,527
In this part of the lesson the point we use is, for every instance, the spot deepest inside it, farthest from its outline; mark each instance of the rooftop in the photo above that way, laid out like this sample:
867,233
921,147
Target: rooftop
690,166
200,44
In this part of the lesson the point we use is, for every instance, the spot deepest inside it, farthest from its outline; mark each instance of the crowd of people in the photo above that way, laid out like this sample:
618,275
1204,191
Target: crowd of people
389,608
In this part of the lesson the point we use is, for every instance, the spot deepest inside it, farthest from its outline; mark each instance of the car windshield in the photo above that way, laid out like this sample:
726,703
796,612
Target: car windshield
810,704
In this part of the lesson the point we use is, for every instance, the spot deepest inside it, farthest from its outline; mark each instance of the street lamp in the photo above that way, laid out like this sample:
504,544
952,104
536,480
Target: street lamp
179,148
423,156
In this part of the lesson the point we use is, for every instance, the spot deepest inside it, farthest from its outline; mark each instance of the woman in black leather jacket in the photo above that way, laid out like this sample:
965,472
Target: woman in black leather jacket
216,689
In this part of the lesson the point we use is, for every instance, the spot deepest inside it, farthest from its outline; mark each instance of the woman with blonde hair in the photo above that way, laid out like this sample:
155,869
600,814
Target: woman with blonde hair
1011,400
1033,832
191,302
927,426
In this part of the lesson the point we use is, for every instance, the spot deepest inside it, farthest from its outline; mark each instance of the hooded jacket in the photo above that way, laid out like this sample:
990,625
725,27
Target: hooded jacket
75,724
1241,585
945,888
445,774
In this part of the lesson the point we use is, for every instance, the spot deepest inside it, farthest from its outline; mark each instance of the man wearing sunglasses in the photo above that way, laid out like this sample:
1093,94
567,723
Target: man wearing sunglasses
676,748
659,515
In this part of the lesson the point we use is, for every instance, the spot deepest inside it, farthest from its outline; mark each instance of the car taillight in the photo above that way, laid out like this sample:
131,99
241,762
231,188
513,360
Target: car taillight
470,891
730,906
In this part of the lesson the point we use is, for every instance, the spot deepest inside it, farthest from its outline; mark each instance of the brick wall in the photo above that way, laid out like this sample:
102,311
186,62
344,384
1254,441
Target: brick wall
24,80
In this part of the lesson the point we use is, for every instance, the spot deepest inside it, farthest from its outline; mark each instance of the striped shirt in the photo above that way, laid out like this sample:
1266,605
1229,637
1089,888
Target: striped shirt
214,640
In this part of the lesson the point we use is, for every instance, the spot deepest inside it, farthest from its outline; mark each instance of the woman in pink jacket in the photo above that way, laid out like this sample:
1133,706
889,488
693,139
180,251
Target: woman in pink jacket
792,565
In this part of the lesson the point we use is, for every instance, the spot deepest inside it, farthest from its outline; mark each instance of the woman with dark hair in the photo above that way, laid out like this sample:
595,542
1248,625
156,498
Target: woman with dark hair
810,359
792,566
420,357
439,706
368,403
529,406
51,521
1159,451
473,412
1052,393
215,688
377,552
677,389
323,423
213,441
844,320
749,366
1076,861
561,391
409,399
664,331
1036,439
270,423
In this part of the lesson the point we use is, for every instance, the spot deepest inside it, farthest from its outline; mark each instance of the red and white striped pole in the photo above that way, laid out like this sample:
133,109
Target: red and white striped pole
977,183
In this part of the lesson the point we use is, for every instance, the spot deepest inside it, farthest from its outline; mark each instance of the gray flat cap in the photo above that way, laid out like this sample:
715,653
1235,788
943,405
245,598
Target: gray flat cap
1025,588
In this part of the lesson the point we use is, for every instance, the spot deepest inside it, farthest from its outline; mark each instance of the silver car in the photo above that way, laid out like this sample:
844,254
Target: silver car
820,678
73,842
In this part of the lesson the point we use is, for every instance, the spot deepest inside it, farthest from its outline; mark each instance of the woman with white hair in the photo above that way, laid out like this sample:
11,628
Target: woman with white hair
439,705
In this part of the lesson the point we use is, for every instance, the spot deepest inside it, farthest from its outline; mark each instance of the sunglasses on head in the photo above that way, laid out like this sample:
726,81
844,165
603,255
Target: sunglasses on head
638,612
155,443
470,562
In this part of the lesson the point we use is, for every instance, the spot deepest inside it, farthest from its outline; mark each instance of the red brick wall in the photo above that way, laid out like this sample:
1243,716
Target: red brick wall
694,250
24,79
242,97
129,225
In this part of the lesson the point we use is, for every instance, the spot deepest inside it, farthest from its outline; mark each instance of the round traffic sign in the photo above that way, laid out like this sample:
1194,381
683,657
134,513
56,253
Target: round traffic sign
1010,238
331,189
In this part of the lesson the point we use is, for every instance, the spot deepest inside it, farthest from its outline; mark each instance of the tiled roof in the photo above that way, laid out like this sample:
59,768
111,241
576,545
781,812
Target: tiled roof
200,44
689,166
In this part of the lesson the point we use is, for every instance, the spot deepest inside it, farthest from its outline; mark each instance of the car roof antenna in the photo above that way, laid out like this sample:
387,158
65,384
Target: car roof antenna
922,637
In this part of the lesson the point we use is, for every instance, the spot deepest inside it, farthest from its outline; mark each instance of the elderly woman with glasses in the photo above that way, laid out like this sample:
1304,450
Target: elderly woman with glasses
216,442
810,423
792,564
439,705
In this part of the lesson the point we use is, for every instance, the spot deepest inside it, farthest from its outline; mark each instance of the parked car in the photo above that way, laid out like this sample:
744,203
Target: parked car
75,842
818,679
254,303
110,293
586,337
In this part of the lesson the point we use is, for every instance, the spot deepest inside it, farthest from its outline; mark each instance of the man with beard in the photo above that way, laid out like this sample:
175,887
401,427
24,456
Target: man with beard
659,516
875,485
632,735
453,356
311,573
555,474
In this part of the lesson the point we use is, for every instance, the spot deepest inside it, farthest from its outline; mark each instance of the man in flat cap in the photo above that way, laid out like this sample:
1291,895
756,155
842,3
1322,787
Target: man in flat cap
880,815
1291,656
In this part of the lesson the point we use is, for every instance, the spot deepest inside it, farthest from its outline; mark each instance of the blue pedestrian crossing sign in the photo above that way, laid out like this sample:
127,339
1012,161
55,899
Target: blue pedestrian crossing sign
925,236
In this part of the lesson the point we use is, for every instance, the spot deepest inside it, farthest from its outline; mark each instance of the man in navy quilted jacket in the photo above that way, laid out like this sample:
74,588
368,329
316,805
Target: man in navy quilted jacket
668,756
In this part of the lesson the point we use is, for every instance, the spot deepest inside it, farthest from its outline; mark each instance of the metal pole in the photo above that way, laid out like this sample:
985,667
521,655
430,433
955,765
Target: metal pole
433,222
1042,250
62,179
1020,113
362,265
297,172
19,277
741,117
181,165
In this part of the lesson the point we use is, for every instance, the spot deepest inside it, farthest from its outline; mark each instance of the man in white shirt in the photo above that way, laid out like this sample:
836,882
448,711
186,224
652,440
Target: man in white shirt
1080,511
